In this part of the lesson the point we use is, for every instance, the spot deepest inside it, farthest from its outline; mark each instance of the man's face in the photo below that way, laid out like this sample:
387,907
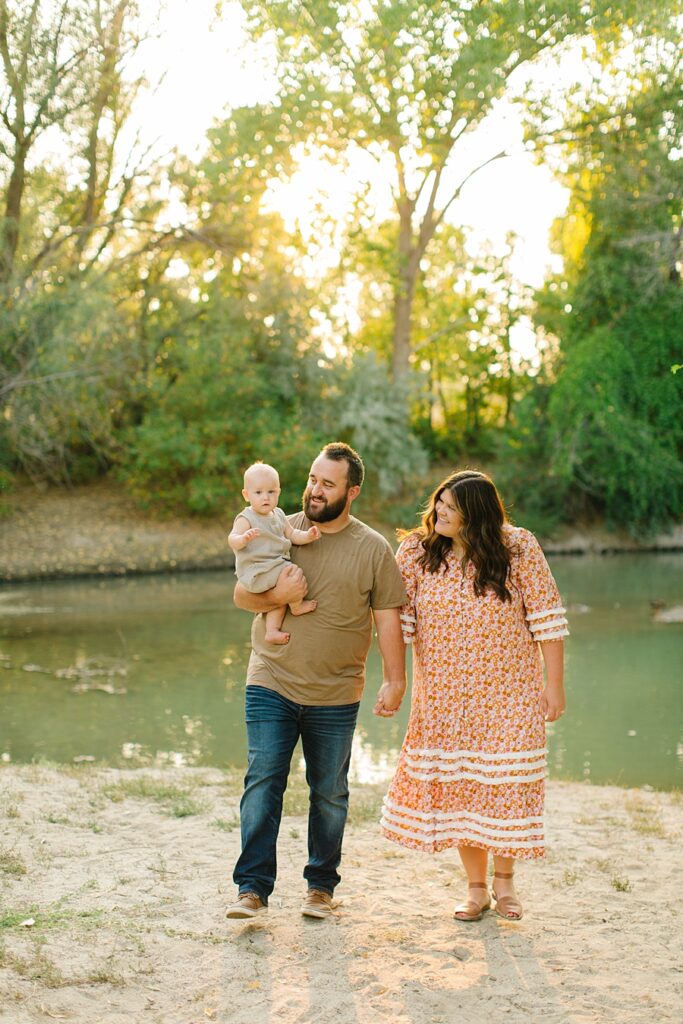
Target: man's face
327,492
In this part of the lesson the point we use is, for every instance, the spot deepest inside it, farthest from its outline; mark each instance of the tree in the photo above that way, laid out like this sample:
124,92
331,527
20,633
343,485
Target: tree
231,386
612,424
410,82
67,340
465,377
42,47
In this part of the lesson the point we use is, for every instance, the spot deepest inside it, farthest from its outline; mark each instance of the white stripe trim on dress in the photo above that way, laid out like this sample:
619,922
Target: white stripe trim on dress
464,762
536,627
478,755
522,844
543,615
446,815
540,637
444,826
457,776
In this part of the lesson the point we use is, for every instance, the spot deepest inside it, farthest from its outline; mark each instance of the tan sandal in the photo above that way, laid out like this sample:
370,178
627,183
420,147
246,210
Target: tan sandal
507,907
470,910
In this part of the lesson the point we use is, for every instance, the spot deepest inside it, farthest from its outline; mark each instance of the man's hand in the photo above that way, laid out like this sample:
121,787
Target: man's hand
392,649
290,588
389,699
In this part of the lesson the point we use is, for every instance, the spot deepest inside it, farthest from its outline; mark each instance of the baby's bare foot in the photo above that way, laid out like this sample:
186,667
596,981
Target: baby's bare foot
275,636
303,607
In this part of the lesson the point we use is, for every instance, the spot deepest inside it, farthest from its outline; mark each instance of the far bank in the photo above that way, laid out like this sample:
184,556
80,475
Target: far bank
98,530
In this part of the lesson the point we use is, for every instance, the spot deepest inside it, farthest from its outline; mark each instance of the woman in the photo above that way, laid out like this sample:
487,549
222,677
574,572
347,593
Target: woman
481,601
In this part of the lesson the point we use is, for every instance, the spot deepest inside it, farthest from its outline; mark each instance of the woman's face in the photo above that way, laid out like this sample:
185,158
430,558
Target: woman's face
448,518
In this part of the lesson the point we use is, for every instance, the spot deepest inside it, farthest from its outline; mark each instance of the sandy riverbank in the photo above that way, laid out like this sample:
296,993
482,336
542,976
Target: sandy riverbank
126,876
98,530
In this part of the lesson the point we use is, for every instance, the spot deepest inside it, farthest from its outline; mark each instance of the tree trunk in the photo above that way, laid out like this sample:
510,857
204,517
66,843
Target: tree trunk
404,297
110,42
10,227
403,306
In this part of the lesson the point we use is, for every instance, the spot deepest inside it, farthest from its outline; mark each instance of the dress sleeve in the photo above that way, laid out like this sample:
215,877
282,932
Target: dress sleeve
405,557
545,614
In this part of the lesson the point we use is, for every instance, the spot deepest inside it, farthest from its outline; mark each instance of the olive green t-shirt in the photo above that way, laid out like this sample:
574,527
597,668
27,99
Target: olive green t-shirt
348,573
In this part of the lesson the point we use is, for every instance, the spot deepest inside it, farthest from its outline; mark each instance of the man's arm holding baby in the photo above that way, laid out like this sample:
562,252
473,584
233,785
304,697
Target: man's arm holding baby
290,588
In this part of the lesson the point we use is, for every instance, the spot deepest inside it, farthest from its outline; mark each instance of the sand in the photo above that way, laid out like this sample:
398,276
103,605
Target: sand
97,530
126,876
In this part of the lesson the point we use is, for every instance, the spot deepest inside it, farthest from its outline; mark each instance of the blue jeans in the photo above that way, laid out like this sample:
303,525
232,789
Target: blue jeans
274,725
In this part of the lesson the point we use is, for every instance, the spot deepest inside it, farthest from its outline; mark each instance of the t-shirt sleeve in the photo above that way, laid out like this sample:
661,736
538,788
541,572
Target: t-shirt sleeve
407,564
545,613
388,590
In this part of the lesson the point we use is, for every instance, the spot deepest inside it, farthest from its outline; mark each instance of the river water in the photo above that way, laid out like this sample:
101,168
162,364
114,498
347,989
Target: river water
150,670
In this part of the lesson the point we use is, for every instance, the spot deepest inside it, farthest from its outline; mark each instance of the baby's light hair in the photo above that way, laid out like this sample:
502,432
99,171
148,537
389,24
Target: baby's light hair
256,467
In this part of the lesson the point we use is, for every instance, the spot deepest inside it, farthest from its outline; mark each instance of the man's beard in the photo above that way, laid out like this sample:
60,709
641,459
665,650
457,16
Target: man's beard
326,511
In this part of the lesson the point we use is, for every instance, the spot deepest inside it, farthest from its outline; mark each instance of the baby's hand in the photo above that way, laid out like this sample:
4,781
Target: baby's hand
314,533
251,534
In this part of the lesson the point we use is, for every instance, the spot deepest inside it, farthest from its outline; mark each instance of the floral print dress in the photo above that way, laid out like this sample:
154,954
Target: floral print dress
473,761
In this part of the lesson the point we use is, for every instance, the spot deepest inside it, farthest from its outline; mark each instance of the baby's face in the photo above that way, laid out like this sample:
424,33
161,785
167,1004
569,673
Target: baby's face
262,491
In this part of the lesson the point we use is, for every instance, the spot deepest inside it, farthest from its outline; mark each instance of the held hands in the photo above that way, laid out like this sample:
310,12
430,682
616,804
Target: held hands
389,699
553,701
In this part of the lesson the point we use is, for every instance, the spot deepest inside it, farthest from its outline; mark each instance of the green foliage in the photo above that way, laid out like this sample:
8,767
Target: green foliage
183,354
68,314
230,390
410,82
464,379
616,423
607,438
534,495
65,362
370,416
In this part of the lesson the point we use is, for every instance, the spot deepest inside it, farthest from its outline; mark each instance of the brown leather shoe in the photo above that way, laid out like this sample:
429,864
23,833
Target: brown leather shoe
317,904
248,904
471,910
508,907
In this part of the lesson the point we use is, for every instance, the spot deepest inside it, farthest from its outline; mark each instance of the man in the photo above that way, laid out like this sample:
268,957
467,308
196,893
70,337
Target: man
311,686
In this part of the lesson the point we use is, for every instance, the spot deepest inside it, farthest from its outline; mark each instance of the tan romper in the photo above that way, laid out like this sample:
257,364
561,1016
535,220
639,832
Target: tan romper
260,562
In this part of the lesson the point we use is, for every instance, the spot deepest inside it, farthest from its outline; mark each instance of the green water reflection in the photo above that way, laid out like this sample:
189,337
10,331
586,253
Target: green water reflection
179,649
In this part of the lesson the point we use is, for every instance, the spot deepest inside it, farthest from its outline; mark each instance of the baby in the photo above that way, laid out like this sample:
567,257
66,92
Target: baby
261,538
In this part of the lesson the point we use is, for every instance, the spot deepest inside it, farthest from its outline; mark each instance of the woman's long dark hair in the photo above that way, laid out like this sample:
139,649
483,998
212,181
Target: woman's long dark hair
483,515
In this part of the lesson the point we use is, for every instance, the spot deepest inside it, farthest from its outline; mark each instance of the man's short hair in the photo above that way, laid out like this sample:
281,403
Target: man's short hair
340,452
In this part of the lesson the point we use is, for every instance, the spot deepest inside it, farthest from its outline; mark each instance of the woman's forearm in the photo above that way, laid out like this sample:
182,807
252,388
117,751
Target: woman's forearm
553,657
